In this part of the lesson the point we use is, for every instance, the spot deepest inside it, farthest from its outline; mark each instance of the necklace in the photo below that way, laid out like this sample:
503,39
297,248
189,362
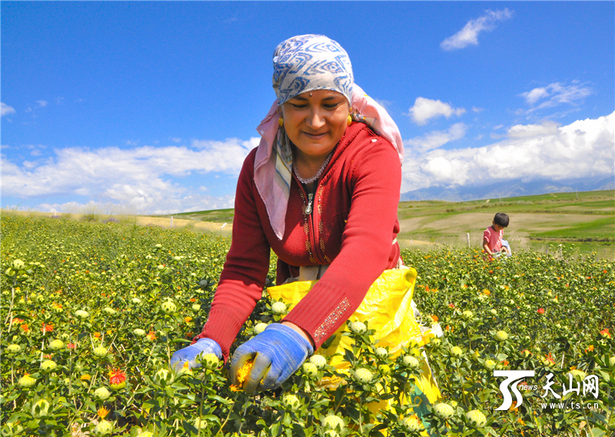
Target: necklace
318,173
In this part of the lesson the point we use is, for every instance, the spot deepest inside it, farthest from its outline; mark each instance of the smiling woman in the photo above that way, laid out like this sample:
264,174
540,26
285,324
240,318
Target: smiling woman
321,190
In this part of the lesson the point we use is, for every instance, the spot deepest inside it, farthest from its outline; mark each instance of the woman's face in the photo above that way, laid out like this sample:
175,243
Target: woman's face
315,122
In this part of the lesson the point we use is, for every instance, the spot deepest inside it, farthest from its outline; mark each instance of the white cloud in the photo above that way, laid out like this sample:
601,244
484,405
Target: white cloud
42,103
6,109
585,148
436,139
533,130
141,177
469,34
555,94
426,109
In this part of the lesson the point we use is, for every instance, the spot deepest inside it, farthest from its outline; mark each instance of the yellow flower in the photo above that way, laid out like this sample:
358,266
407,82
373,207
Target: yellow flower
242,374
456,351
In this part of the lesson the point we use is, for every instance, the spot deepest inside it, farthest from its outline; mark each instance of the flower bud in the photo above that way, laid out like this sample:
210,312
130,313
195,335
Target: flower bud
48,366
456,351
82,314
291,401
138,332
411,362
363,375
102,393
168,307
56,344
26,381
443,410
310,369
476,418
333,422
41,408
104,427
13,348
100,351
318,360
412,424
259,327
381,352
501,336
357,327
278,308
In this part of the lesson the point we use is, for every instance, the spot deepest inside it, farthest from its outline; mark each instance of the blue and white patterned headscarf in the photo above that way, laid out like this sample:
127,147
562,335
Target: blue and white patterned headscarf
311,62
301,64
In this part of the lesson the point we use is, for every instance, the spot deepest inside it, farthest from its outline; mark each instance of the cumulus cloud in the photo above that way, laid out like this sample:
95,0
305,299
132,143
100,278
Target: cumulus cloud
141,177
6,110
426,109
585,148
42,103
469,34
436,139
555,94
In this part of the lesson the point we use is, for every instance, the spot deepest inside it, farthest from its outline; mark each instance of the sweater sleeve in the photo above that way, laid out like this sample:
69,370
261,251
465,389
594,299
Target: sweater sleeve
375,180
245,270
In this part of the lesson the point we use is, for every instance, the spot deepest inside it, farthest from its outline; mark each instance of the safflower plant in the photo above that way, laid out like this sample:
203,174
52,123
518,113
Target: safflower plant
91,314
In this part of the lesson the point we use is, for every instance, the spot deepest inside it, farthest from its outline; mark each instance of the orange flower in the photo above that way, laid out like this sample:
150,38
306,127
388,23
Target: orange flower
17,321
46,328
188,319
71,346
25,328
97,334
242,374
589,349
192,300
541,310
549,358
151,336
605,333
435,318
102,412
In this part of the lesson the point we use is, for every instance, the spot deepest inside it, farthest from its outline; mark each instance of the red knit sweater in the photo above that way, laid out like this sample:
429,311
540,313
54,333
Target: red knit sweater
352,227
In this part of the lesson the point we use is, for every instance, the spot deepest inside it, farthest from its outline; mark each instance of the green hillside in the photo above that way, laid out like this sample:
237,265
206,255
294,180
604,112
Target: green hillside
585,219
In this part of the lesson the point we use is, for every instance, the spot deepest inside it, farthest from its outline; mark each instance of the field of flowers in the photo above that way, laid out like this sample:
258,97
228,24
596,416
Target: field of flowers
91,313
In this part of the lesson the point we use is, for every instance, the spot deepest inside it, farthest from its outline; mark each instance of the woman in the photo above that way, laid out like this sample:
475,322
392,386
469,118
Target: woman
321,190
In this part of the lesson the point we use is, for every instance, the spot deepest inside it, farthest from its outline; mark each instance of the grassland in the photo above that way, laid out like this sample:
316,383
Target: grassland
584,219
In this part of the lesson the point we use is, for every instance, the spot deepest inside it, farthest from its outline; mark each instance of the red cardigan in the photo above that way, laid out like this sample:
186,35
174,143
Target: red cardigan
352,227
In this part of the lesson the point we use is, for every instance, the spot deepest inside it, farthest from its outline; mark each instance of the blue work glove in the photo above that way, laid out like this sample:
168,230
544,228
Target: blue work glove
189,354
277,352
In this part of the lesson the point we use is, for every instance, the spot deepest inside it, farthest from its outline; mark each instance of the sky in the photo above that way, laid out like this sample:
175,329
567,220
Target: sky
151,107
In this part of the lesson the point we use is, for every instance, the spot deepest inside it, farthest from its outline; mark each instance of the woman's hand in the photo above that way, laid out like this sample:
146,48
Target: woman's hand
189,354
277,353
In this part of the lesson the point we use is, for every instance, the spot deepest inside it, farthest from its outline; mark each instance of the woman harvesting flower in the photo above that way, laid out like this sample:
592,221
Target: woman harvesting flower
321,190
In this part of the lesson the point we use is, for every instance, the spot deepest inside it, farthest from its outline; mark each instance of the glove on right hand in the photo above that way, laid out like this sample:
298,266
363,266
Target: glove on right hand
189,354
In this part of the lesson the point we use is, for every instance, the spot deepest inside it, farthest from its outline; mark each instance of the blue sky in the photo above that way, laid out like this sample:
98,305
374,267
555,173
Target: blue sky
150,107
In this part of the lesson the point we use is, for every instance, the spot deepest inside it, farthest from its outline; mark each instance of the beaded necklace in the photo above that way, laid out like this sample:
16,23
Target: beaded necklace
318,173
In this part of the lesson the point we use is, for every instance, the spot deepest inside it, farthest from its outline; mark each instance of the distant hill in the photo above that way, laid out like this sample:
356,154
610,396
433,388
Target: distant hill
513,188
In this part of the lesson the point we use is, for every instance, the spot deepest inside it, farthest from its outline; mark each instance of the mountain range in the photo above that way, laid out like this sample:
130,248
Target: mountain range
509,188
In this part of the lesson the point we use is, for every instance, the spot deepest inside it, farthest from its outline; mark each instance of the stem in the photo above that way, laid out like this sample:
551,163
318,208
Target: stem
227,416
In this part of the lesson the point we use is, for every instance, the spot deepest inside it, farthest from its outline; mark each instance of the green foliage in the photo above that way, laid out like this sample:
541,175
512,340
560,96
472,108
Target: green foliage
92,312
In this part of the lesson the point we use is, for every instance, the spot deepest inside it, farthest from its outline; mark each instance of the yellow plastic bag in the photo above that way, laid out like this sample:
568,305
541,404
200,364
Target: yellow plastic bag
387,309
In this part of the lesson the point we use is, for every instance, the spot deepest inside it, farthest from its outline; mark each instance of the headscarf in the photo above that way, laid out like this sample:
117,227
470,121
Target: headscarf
301,64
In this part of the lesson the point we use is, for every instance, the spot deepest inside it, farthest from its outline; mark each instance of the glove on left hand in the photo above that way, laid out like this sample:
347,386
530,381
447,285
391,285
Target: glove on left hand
277,353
